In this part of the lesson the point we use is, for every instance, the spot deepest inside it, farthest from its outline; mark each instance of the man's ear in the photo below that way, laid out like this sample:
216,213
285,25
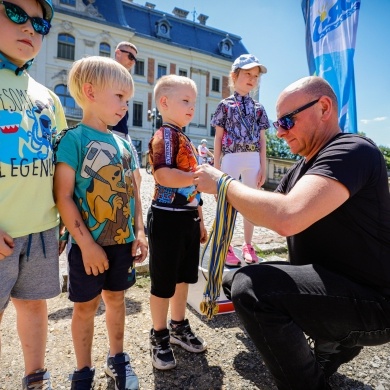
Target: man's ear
88,91
326,106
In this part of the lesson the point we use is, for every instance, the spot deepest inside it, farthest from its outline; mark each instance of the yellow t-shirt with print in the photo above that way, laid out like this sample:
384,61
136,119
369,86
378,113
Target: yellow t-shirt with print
30,117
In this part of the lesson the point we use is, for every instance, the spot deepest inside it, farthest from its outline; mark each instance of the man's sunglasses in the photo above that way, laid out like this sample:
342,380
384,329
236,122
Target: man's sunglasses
19,16
131,55
286,122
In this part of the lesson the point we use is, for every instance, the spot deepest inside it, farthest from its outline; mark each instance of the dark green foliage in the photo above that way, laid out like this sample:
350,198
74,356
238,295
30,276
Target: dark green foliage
277,147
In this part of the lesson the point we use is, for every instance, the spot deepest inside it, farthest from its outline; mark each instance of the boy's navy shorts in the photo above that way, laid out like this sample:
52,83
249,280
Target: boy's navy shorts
119,277
174,244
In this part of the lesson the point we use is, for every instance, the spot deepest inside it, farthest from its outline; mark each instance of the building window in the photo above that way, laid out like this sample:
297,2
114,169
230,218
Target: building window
62,92
104,50
215,84
163,28
137,114
69,104
226,46
66,46
161,71
139,68
182,72
68,2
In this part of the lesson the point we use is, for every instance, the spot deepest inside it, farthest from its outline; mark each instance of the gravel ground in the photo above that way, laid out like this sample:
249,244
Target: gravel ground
230,363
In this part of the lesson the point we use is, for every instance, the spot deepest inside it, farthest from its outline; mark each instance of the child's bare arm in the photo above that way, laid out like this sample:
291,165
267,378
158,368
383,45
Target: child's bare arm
203,230
218,146
261,177
140,244
94,258
173,178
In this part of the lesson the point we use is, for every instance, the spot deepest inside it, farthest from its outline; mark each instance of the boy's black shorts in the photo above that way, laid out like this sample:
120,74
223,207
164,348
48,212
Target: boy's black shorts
174,243
119,277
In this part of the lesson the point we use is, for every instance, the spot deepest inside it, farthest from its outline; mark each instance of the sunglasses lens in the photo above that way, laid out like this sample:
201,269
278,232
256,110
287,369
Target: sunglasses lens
19,16
41,26
287,123
15,13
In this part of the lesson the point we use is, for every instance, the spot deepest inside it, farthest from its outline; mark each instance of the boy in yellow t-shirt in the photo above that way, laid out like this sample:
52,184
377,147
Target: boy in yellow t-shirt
30,116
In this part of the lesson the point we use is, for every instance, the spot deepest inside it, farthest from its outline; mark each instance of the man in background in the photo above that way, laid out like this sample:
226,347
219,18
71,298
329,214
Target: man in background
126,55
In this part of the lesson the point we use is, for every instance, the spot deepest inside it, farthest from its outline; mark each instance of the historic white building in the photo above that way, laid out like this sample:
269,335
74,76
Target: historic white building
176,42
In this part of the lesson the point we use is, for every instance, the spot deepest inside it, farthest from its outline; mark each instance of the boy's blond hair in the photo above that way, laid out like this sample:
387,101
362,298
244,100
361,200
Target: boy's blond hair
166,85
101,72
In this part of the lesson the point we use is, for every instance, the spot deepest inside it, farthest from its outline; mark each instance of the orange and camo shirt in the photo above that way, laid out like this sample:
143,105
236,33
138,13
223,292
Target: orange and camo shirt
171,148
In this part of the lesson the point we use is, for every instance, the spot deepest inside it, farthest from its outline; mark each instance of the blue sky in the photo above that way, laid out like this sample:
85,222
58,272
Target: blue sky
274,31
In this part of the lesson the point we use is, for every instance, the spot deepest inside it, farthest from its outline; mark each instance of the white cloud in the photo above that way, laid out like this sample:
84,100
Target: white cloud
377,119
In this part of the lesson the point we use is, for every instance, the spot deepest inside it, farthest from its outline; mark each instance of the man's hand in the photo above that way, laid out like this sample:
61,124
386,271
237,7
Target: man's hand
206,178
6,245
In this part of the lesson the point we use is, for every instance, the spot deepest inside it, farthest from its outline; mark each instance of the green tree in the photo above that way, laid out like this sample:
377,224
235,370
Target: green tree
277,147
386,154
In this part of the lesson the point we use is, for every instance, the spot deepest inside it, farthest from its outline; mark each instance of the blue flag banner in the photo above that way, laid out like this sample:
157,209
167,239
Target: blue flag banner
330,46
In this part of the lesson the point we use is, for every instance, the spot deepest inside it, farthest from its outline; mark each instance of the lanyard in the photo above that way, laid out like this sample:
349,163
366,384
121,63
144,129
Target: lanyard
244,120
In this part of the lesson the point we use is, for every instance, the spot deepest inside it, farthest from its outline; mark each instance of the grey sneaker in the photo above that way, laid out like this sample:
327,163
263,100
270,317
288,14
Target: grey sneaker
39,380
82,379
161,351
183,335
120,370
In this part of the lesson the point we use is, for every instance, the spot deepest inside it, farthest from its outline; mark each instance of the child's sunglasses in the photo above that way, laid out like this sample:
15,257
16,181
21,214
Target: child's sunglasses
19,16
131,55
286,122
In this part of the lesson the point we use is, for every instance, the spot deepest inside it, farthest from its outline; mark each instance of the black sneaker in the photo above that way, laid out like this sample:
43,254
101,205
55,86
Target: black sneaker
119,369
183,335
330,355
161,351
83,379
39,380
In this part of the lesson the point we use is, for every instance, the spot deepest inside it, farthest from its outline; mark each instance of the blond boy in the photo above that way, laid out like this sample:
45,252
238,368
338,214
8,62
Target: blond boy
99,201
175,217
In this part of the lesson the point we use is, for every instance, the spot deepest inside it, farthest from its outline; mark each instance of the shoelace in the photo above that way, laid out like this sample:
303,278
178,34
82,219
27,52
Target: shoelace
164,345
128,370
188,332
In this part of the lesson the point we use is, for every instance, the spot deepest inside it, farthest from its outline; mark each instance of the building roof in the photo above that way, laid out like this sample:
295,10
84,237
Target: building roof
143,20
